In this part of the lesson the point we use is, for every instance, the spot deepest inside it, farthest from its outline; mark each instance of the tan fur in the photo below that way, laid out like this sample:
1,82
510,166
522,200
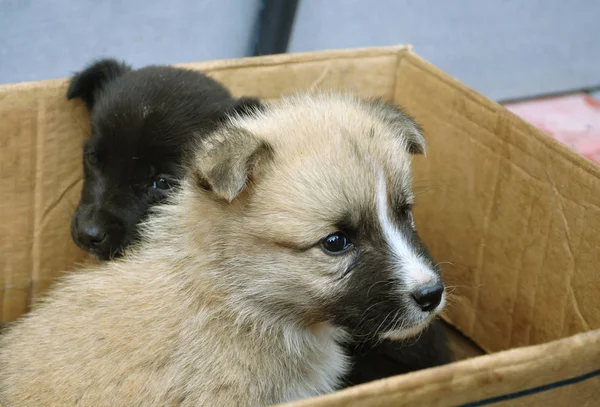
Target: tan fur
222,303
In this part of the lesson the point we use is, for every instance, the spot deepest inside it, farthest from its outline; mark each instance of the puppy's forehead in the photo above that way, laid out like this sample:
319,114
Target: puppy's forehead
314,117
311,123
330,156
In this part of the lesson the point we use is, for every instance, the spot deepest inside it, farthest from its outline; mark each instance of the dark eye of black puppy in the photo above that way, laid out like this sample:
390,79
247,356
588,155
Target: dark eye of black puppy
91,158
161,183
336,243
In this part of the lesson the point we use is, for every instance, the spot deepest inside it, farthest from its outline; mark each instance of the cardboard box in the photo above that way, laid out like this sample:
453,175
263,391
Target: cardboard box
515,213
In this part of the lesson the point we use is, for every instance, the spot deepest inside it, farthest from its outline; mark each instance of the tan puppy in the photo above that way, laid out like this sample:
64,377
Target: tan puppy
292,231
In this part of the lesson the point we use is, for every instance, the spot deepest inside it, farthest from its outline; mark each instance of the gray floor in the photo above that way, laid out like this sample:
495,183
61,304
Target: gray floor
504,49
41,39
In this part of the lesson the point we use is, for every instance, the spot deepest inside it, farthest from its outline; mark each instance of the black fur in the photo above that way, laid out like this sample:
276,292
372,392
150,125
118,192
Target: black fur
88,83
143,122
374,361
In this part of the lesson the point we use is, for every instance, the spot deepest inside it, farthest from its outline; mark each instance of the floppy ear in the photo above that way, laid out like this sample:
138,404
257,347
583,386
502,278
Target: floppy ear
405,126
87,83
227,160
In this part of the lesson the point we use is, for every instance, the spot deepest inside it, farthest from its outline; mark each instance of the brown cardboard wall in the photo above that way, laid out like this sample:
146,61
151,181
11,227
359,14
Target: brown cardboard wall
367,72
40,139
516,213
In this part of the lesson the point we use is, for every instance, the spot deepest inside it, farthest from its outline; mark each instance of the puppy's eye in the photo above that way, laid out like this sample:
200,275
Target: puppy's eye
336,243
405,209
161,183
91,158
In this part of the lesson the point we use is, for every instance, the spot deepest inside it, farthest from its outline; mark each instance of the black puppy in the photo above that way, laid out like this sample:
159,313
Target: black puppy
143,122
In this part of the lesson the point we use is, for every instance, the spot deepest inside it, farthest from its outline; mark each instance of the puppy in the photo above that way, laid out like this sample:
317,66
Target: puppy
142,124
292,231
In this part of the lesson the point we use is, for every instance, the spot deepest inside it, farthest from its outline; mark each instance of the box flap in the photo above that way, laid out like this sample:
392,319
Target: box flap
365,71
561,373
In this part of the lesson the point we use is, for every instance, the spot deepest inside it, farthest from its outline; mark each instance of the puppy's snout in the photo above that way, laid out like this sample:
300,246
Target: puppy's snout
428,296
96,232
92,235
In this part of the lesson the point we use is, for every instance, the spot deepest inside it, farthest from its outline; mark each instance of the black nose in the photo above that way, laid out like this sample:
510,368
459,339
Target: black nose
92,235
428,296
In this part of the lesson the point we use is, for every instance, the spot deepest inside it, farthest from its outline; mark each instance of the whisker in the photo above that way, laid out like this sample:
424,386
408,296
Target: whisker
444,262
378,282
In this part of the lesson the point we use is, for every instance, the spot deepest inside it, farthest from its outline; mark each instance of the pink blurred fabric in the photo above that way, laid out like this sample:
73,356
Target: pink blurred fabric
573,120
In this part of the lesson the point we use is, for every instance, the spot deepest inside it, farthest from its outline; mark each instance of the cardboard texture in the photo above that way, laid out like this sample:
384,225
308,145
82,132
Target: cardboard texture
513,215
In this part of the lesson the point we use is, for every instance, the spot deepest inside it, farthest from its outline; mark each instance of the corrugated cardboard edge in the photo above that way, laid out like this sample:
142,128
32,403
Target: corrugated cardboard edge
283,59
247,62
474,379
